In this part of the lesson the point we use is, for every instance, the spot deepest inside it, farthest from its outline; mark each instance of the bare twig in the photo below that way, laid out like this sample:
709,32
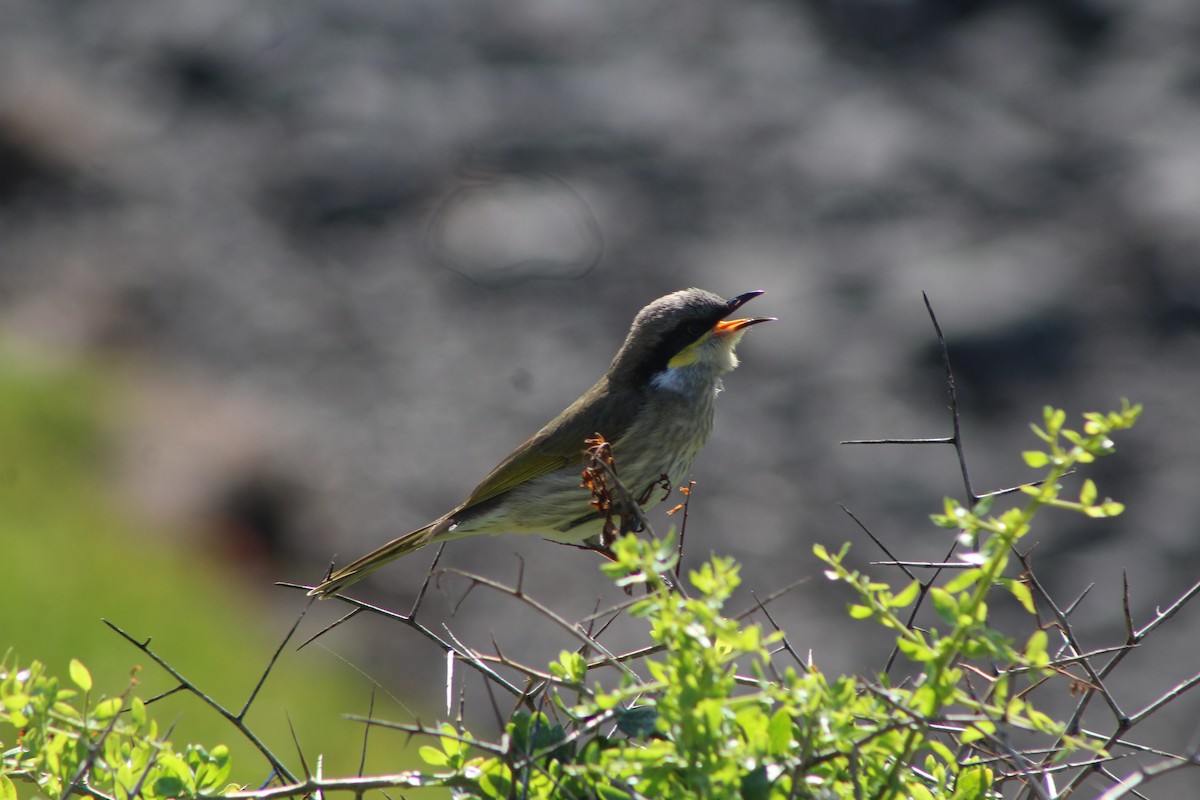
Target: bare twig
785,643
361,606
416,606
362,760
357,785
686,491
296,742
934,440
234,719
632,655
1135,638
938,565
1169,696
877,541
766,600
1064,625
262,679
955,439
952,394
1130,784
613,609
1167,614
339,621
572,628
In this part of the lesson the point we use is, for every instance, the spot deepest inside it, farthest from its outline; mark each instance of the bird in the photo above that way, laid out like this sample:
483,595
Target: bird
654,405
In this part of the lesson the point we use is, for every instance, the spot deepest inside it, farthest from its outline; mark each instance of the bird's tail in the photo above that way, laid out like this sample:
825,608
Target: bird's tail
357,570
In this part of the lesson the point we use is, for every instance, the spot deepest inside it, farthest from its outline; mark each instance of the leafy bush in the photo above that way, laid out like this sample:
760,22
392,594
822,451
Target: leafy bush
711,714
715,706
68,741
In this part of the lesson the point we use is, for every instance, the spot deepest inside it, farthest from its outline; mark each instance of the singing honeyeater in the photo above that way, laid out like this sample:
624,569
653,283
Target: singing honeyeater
654,405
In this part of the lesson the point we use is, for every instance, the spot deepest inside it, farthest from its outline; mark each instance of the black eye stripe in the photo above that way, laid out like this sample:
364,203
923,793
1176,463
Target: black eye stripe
679,337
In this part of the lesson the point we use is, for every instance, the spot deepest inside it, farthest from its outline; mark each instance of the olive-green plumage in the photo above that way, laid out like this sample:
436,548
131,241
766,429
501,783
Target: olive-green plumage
654,404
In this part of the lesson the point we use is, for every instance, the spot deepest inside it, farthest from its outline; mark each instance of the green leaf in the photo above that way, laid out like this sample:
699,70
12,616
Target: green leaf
451,746
756,785
638,722
137,712
16,701
779,732
925,701
1109,508
859,611
1020,590
943,521
8,790
1043,722
1035,649
169,786
571,666
914,650
80,675
1000,690
223,763
964,580
973,783
432,756
943,752
211,767
496,780
970,735
1087,495
1112,508
175,774
1035,458
918,791
107,709
907,596
945,605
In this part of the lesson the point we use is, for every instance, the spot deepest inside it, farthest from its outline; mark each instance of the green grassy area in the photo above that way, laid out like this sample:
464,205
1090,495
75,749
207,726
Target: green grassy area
71,554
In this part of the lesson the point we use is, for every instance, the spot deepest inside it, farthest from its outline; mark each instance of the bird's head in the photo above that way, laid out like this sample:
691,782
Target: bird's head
685,333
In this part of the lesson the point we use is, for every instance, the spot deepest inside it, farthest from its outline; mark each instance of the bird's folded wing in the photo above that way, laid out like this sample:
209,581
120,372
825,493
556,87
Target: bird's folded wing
561,443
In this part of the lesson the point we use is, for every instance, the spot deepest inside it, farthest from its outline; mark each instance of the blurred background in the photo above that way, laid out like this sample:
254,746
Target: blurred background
281,281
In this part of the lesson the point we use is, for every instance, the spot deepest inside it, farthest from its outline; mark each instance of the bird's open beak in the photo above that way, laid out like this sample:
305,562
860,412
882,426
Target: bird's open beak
731,325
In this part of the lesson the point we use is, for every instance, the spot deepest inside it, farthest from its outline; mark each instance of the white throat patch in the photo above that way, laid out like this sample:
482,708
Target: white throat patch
682,380
671,379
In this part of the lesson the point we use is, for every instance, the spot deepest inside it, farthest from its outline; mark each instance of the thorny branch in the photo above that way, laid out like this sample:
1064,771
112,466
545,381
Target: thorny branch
409,620
237,720
1033,773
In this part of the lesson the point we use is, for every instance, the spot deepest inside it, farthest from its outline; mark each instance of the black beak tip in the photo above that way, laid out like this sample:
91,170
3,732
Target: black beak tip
742,299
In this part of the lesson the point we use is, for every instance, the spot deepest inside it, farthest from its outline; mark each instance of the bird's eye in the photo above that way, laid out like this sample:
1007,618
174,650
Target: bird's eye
695,330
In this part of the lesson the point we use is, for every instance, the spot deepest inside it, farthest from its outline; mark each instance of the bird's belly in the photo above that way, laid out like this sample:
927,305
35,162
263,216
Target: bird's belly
642,465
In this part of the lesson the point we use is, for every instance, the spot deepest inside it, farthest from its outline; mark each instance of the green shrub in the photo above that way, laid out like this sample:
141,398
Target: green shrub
69,741
711,714
715,706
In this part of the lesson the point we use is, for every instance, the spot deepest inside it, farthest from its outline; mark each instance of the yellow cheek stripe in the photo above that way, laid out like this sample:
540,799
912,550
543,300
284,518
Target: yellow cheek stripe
689,354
